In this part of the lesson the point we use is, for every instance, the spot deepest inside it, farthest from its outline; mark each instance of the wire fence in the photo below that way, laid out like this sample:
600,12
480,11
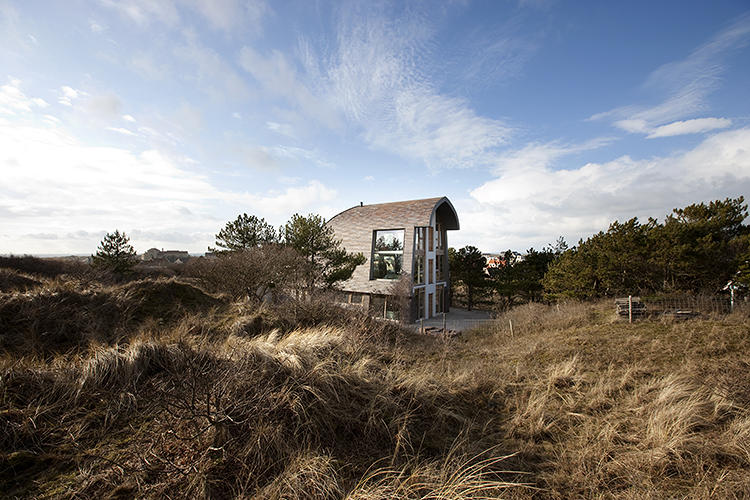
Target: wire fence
448,326
677,307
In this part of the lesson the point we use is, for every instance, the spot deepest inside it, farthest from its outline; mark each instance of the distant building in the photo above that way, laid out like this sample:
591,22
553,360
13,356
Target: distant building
171,256
401,239
496,261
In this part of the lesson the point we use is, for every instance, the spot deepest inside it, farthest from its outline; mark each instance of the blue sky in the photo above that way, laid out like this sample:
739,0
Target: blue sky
536,118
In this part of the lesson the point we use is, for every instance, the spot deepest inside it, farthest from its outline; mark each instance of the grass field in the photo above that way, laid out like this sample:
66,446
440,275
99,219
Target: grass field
157,389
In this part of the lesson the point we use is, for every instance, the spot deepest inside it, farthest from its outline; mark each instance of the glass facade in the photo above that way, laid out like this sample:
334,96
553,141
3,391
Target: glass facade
387,254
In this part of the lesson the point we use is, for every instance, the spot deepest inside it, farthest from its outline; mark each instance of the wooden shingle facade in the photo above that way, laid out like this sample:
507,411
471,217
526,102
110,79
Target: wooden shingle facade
403,241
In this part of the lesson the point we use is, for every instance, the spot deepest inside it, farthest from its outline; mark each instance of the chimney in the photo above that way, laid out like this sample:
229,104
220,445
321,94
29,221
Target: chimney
361,204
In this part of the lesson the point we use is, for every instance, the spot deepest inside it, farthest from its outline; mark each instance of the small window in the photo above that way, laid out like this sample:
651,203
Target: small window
431,238
387,254
355,298
440,303
377,306
431,270
392,307
439,267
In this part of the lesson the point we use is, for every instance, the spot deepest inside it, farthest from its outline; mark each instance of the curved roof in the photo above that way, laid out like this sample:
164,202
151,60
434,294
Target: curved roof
399,214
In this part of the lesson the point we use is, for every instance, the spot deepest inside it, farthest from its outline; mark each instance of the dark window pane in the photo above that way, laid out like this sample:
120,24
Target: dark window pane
386,266
377,305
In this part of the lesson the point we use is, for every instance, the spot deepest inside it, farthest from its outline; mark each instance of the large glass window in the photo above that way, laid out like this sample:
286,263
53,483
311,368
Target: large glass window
387,254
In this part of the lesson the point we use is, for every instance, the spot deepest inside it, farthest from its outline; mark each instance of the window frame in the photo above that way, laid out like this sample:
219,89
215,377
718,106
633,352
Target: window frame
374,252
420,255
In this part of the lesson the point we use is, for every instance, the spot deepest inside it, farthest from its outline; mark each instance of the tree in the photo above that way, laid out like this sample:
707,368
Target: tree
257,273
246,231
697,249
467,266
607,263
521,279
115,254
327,261
699,246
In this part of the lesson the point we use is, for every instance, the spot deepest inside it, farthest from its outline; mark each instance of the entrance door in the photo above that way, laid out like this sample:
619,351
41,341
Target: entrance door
429,305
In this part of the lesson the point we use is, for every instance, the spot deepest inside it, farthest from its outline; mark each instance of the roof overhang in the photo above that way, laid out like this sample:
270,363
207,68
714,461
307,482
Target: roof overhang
446,214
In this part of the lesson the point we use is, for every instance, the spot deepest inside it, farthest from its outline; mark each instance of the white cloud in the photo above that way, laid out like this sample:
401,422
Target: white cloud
121,130
526,207
372,82
536,156
289,180
281,128
368,178
96,27
275,204
279,78
51,180
686,83
68,95
376,80
695,126
274,157
128,118
13,100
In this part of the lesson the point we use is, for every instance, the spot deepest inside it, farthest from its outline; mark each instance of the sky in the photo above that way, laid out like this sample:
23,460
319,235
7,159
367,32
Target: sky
536,118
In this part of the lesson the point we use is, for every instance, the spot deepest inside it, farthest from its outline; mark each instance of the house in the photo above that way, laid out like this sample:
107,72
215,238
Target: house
171,256
406,274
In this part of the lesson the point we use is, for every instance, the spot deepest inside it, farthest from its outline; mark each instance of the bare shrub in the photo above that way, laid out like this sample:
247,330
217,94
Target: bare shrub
269,271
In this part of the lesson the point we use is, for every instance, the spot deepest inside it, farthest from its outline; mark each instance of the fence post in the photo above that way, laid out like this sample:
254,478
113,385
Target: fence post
510,322
630,308
731,298
421,325
443,323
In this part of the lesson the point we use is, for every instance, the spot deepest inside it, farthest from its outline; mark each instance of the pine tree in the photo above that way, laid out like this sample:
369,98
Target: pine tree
115,253
467,266
246,231
327,260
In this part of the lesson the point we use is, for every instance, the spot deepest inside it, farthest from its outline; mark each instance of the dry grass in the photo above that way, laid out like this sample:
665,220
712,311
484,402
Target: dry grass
197,397
599,408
